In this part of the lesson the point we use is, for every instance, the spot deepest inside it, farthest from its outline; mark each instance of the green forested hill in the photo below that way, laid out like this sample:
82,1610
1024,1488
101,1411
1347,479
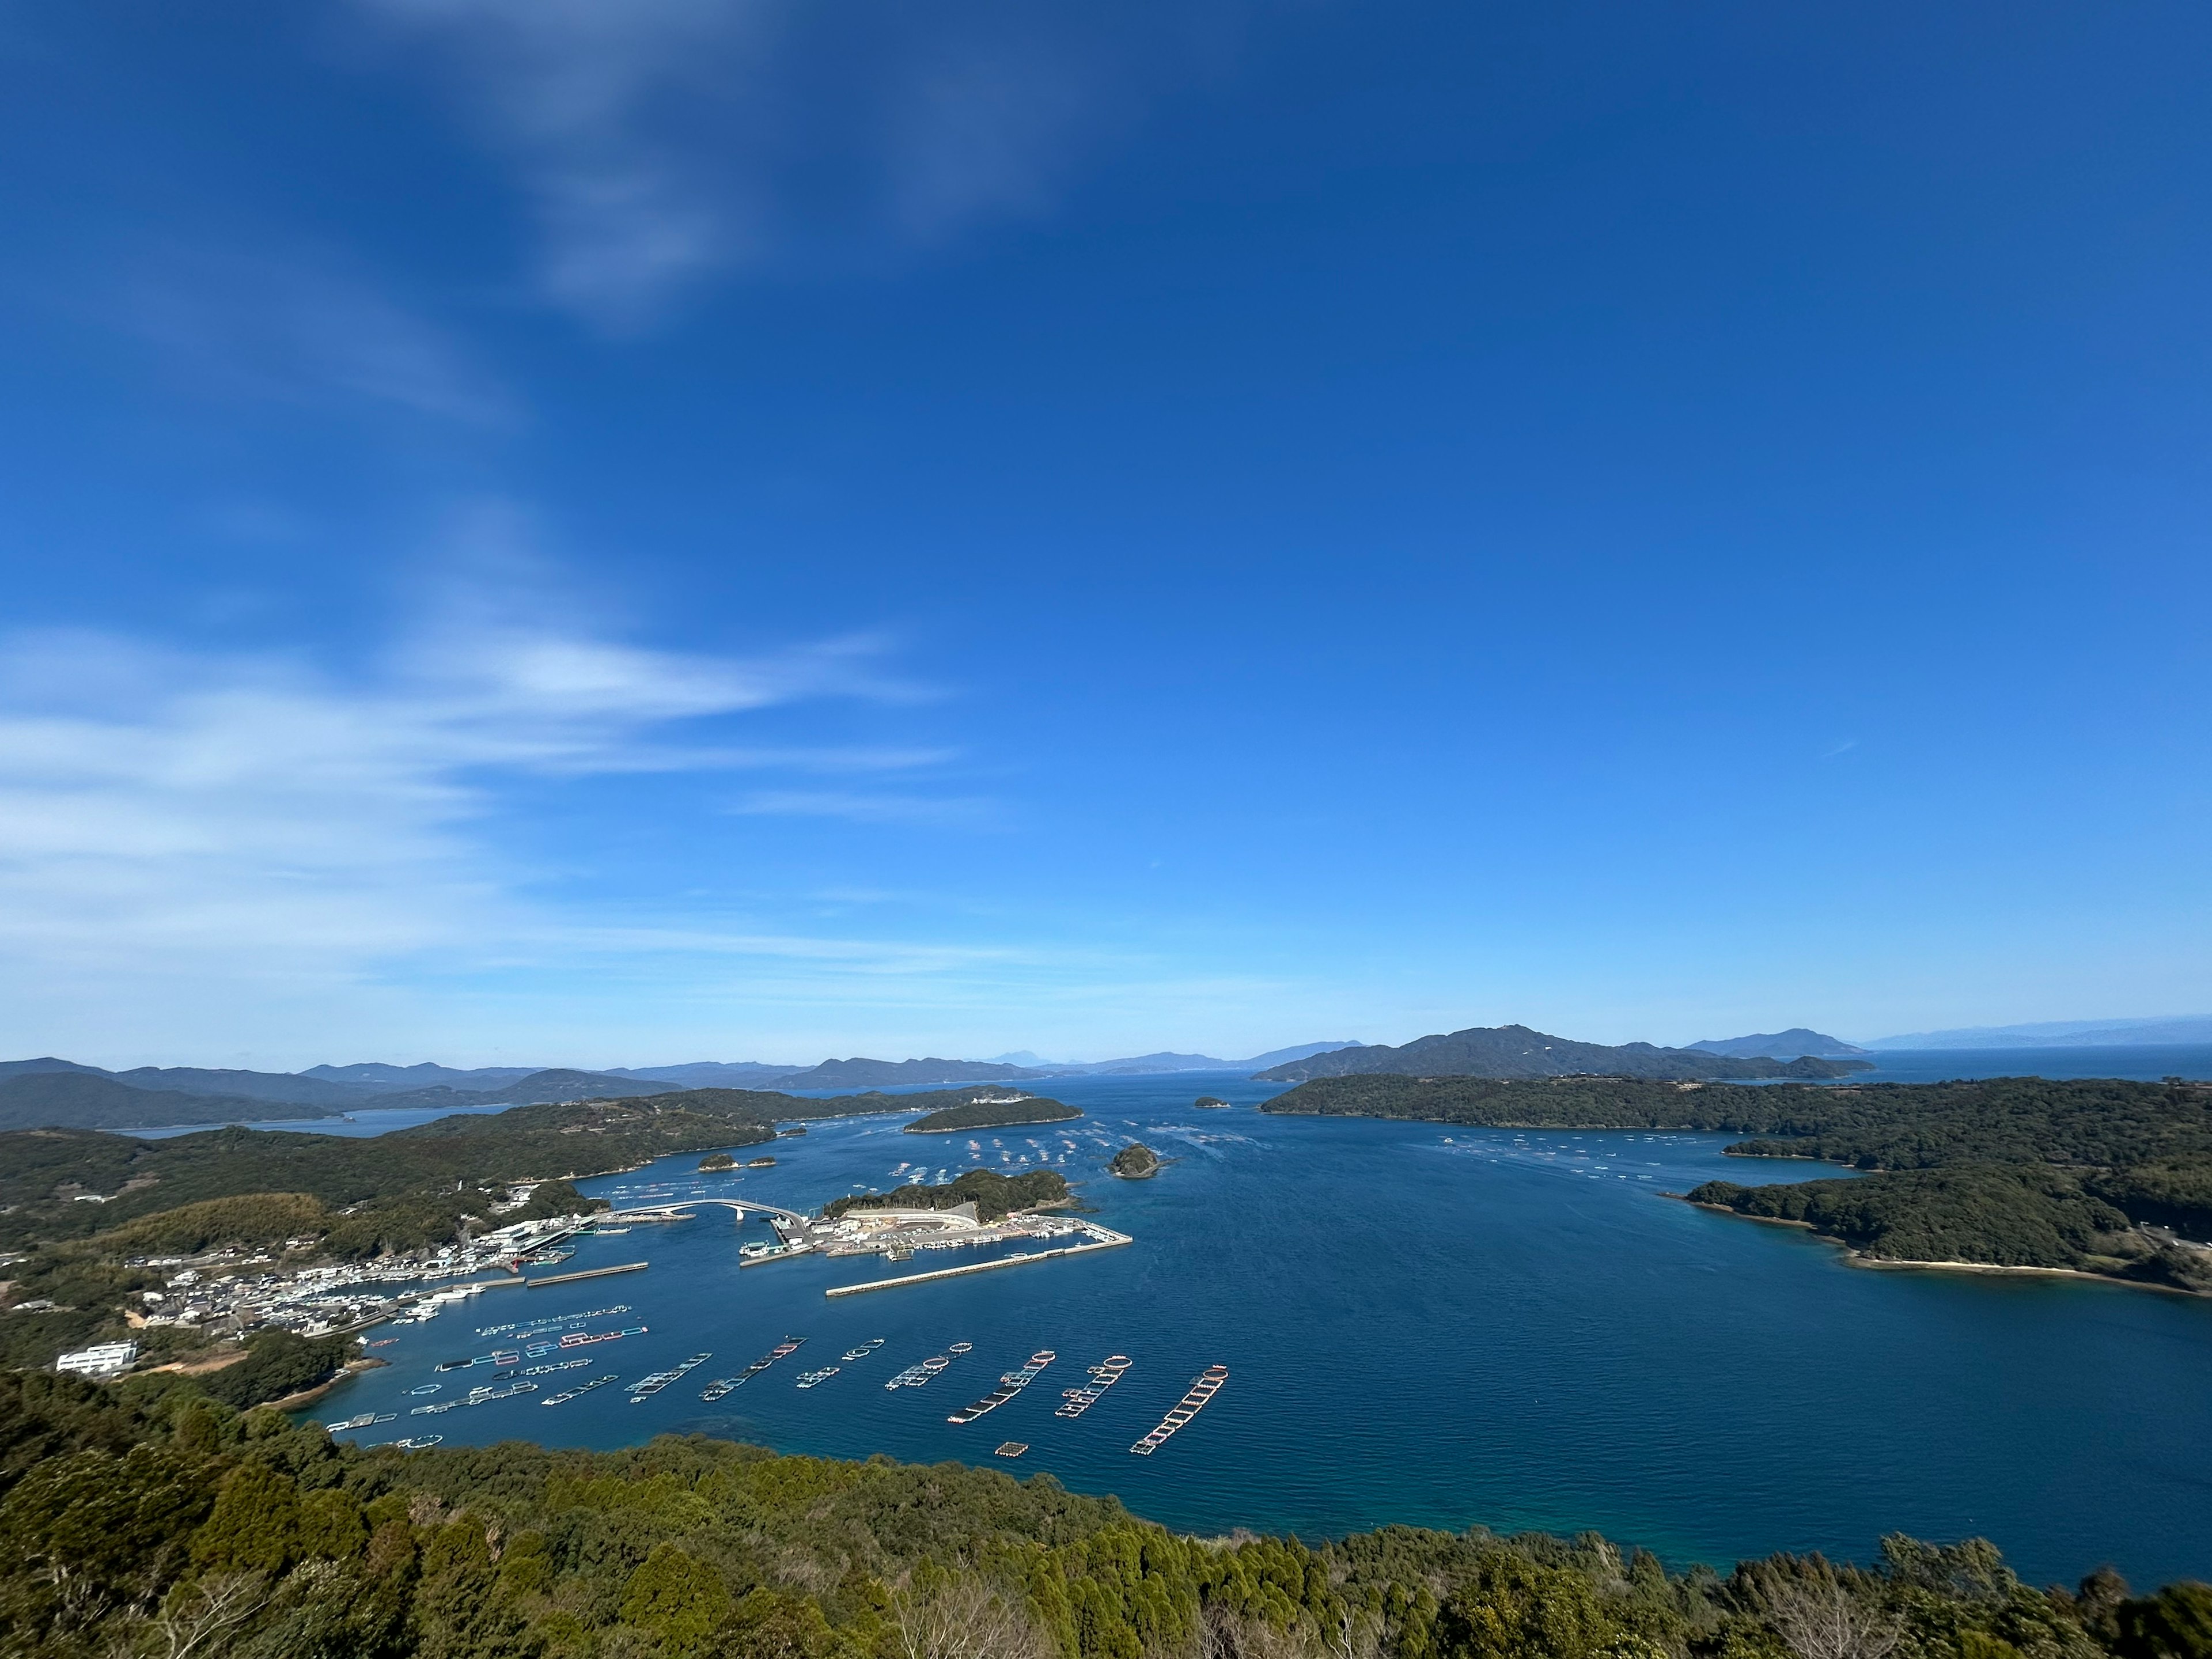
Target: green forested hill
41,1170
149,1520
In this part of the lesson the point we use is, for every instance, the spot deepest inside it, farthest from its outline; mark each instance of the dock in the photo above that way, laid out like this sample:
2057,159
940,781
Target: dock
587,1273
1103,1238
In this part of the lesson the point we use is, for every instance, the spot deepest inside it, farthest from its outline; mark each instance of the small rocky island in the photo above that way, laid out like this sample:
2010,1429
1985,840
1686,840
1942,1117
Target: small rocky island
1210,1103
715,1161
1135,1162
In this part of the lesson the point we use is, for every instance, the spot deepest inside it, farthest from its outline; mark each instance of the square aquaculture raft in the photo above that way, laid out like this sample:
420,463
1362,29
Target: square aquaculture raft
1012,1448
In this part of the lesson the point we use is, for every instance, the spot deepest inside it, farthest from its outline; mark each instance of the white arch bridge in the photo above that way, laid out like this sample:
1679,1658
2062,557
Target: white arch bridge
787,1221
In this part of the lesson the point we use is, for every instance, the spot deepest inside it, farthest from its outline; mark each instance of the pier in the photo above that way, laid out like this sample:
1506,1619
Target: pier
1102,1238
587,1273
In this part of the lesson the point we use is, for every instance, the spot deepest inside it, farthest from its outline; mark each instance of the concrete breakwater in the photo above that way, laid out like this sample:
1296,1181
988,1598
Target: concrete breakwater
1102,1238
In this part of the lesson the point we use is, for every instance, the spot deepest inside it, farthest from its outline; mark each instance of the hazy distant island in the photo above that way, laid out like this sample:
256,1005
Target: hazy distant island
1134,1162
993,1112
1505,1051
2096,1175
1779,1045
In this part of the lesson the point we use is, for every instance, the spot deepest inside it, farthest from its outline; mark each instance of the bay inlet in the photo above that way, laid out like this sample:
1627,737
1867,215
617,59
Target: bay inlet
1426,1325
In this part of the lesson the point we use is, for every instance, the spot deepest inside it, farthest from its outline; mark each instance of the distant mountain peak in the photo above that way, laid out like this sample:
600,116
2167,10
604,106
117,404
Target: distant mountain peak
1778,1045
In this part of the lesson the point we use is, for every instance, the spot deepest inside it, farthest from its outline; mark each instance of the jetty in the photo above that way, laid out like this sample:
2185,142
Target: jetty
587,1273
1102,1238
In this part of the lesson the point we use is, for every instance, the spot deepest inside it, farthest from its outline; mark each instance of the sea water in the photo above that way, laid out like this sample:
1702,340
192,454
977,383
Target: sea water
1434,1326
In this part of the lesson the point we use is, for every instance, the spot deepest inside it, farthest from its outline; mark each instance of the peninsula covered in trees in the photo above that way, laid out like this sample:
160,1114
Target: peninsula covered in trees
2100,1176
146,1518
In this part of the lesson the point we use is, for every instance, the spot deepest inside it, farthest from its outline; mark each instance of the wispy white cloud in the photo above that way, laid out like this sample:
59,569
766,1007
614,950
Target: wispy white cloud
250,826
662,140
296,327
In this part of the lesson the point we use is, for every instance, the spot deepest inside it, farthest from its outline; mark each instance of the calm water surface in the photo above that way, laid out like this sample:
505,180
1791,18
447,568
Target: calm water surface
1423,1325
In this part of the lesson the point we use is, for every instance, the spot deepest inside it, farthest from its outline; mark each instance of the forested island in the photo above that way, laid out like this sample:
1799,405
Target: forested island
2099,1176
993,1195
144,1518
992,1113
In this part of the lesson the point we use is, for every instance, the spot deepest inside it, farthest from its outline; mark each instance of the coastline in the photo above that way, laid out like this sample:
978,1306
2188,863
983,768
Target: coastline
1857,1258
345,1373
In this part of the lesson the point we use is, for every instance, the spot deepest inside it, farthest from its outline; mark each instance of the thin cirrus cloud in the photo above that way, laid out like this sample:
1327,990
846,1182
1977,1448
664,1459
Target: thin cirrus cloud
246,819
661,141
300,329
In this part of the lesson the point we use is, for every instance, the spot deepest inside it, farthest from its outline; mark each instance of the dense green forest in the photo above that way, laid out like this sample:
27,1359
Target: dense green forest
2007,1171
148,1520
993,1194
993,1115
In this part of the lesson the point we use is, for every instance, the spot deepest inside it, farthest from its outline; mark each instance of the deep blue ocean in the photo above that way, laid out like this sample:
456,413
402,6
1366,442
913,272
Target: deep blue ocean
1438,1326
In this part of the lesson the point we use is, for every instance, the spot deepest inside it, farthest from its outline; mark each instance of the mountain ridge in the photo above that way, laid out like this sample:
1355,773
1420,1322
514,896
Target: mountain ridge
1507,1051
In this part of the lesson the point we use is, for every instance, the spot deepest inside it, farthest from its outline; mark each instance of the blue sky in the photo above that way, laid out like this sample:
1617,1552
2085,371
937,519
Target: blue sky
556,530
